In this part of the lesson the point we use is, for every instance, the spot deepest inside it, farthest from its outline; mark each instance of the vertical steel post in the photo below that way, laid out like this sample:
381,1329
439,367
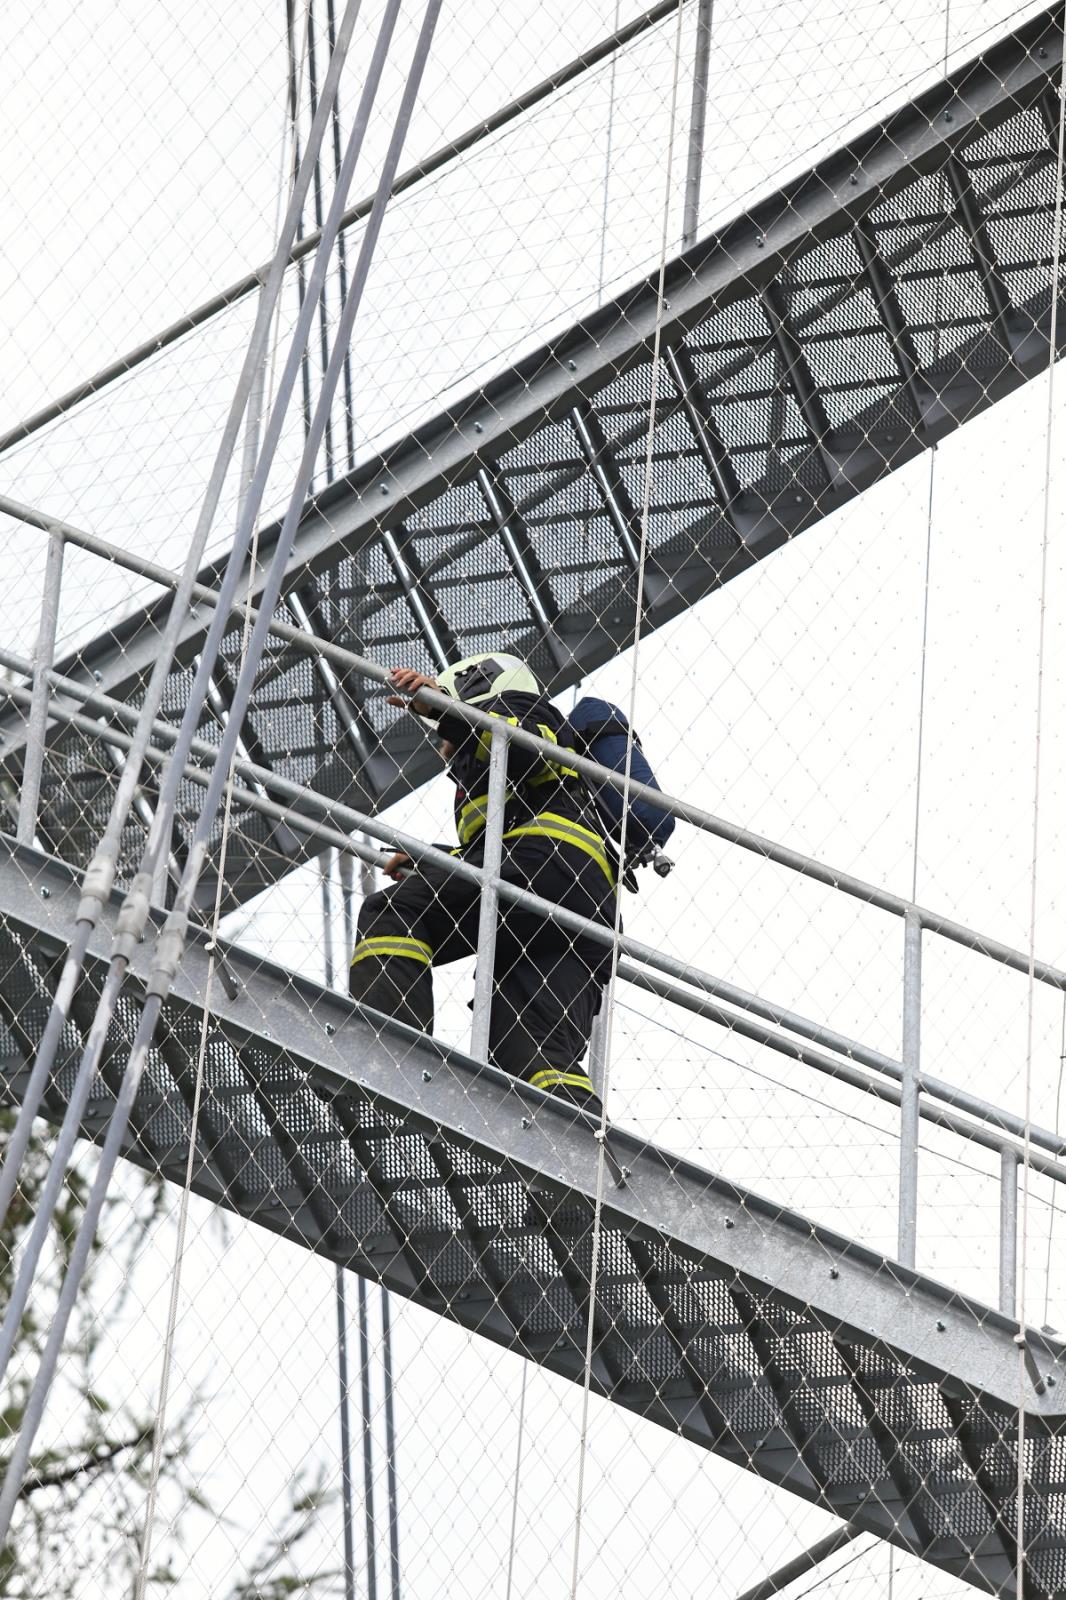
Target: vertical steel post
910,1086
368,1446
493,859
390,1448
325,879
43,662
347,876
1008,1233
598,1046
347,1493
697,127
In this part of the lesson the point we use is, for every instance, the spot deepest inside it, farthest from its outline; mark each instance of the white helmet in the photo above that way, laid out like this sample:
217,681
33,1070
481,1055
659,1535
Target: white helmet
480,678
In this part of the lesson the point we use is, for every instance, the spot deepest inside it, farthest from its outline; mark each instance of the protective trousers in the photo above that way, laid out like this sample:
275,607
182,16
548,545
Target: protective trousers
547,987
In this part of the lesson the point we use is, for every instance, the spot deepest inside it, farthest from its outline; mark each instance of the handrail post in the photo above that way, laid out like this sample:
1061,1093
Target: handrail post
43,662
910,1087
697,122
1008,1232
487,922
598,1046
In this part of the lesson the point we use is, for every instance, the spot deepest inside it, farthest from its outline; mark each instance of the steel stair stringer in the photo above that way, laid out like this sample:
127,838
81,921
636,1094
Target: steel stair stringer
810,347
789,1350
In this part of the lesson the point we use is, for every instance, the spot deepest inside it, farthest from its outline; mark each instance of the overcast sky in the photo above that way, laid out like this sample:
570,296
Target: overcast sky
148,152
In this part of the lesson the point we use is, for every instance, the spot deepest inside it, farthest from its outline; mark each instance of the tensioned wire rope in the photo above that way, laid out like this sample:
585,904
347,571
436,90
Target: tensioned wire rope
1045,532
100,874
601,274
262,401
169,946
601,1132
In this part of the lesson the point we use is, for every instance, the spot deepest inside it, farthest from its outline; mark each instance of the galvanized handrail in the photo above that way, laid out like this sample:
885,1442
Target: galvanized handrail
494,888
705,821
907,1084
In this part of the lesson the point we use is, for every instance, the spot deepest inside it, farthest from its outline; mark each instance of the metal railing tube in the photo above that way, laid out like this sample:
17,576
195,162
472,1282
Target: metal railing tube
484,981
100,874
324,834
1008,1229
43,661
169,943
736,1022
598,1048
910,1094
705,821
700,1005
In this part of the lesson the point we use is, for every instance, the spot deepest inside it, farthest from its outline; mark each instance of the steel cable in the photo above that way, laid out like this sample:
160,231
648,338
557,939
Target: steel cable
1045,539
170,943
601,1133
251,450
99,876
134,912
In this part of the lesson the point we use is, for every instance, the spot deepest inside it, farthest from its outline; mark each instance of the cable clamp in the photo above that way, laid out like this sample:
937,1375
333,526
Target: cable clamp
96,887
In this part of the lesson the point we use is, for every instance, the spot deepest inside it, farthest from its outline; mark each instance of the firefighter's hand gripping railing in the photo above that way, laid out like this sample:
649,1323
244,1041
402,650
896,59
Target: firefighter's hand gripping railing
48,695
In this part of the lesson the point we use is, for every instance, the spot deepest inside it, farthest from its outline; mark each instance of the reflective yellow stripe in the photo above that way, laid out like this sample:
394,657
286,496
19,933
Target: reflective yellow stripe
393,945
552,1078
547,825
484,738
555,769
553,774
472,818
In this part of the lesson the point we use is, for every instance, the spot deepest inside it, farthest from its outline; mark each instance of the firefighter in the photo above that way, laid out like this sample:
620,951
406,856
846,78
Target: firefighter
548,982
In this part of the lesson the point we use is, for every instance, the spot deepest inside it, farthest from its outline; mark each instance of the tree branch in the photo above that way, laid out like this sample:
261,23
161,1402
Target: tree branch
91,1463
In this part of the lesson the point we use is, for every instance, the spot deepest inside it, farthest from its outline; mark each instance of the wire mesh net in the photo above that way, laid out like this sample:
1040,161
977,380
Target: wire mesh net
750,435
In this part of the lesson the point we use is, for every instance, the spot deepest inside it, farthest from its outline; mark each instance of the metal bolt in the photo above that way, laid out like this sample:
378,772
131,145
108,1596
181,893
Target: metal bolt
384,489
572,365
854,180
330,1029
939,1326
833,1273
1042,53
427,1077
46,894
527,1122
1050,1380
760,242
798,498
729,1222
98,675
478,428
560,1344
948,117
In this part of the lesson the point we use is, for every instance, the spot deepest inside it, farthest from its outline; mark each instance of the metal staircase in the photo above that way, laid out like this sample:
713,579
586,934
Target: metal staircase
790,1351
813,346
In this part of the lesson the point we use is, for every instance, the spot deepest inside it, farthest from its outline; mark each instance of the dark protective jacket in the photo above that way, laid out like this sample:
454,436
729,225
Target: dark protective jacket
551,833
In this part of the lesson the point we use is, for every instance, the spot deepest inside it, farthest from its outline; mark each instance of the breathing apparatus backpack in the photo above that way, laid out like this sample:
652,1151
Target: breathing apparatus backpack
600,730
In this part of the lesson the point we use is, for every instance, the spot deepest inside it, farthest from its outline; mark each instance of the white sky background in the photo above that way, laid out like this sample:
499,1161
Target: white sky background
147,144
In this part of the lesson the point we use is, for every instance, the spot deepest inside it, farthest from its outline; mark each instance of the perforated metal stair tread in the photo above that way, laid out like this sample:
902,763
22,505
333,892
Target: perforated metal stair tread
813,346
785,1348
